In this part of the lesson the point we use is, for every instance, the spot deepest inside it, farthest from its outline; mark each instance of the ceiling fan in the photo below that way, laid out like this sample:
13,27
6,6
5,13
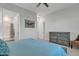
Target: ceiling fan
42,3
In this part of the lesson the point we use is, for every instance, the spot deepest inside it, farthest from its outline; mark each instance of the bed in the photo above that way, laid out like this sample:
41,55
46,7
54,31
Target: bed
32,47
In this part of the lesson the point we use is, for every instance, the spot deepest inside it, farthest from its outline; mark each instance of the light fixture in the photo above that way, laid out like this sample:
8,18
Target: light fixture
7,19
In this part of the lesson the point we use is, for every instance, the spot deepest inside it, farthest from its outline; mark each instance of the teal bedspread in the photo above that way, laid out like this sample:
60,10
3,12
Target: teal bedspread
31,47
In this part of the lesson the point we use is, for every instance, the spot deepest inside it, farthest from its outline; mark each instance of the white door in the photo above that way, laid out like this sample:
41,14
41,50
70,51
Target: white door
1,25
41,28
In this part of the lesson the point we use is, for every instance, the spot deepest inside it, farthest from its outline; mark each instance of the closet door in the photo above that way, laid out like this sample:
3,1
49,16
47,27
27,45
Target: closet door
41,28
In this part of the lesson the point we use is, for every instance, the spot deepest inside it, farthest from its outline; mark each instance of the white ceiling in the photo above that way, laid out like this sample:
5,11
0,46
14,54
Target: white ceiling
42,10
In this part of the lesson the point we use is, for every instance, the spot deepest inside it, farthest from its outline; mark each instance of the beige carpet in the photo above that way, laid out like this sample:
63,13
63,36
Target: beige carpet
73,51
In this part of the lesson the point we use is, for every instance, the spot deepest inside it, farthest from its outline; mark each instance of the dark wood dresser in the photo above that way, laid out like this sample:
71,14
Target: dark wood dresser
62,38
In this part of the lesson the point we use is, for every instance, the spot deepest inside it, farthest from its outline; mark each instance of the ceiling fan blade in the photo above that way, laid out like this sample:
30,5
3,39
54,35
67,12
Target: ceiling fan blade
46,4
38,4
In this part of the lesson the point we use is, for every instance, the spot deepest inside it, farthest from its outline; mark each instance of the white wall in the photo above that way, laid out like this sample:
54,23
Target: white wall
66,20
24,14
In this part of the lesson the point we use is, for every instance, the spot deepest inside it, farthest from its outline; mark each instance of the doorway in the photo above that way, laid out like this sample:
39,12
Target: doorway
9,25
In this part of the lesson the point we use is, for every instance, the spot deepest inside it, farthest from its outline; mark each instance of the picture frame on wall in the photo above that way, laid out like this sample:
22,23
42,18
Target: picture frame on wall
29,23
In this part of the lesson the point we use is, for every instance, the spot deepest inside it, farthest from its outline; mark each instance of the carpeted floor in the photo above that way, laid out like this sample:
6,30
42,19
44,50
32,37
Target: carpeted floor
73,51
